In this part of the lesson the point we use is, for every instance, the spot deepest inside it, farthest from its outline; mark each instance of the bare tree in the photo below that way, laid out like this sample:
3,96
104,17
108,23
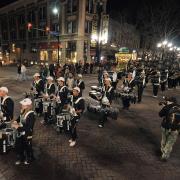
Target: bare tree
159,21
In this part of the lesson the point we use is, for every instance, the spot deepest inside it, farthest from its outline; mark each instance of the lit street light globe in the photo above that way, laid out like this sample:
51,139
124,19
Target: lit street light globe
159,45
55,10
165,42
169,45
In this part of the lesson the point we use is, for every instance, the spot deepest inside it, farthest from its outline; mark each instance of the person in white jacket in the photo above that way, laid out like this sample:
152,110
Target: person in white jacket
23,72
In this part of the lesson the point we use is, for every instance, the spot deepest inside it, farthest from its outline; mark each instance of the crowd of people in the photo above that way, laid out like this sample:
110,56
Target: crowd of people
57,91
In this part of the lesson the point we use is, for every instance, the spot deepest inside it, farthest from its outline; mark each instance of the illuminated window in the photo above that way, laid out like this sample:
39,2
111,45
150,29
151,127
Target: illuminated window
43,55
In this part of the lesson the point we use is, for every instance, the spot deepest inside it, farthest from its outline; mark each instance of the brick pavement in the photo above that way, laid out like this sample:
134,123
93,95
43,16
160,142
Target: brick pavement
124,149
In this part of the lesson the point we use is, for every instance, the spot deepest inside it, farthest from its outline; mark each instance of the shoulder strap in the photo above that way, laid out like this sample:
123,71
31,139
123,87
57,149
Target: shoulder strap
78,100
4,99
29,112
62,89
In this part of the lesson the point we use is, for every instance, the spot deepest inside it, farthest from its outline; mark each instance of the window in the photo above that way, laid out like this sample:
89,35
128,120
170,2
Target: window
71,27
5,35
13,35
42,13
42,33
72,6
43,55
31,16
21,19
32,33
12,22
89,6
22,34
88,27
71,49
55,27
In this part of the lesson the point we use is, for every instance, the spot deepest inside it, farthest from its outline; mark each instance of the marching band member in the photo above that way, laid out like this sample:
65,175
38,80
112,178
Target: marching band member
106,101
70,83
50,90
141,82
78,105
128,85
6,107
24,127
62,94
108,89
80,83
156,82
114,79
50,87
163,80
38,90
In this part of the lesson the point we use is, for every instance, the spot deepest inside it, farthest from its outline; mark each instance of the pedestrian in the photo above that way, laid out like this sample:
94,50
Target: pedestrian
155,83
170,126
70,83
80,83
18,72
23,72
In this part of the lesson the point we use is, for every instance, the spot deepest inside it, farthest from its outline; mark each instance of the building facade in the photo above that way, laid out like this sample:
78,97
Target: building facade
73,23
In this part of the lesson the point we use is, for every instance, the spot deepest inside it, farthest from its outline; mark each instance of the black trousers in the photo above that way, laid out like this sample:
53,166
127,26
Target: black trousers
140,92
163,86
155,89
59,108
174,83
39,110
24,149
126,102
178,81
73,130
103,118
114,85
170,83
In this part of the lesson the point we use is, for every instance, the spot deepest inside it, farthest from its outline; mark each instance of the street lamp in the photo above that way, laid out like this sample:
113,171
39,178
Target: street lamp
165,42
169,45
98,44
56,12
159,45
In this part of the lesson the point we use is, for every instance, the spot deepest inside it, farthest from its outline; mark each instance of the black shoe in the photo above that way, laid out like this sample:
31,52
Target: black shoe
163,159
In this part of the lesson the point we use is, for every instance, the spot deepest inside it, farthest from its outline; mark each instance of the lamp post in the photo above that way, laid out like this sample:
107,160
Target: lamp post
98,45
164,45
56,12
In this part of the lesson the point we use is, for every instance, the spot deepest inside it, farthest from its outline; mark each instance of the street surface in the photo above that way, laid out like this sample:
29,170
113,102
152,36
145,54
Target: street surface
126,149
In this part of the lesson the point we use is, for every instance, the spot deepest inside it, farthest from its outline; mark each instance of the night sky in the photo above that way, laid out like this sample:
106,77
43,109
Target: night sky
5,2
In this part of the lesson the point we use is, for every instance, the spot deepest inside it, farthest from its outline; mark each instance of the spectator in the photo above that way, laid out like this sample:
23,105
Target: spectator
23,72
18,71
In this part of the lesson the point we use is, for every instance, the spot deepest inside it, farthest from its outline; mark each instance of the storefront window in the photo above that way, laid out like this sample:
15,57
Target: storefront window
43,55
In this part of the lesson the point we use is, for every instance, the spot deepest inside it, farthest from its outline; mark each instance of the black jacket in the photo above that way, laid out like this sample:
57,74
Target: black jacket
50,89
63,93
8,108
28,124
39,86
78,103
168,122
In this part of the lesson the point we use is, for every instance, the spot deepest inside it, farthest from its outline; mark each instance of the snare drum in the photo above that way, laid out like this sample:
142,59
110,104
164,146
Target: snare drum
8,138
64,121
46,104
37,102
